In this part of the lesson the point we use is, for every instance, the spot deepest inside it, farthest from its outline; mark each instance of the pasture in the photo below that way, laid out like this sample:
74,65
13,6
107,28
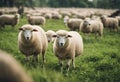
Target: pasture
100,61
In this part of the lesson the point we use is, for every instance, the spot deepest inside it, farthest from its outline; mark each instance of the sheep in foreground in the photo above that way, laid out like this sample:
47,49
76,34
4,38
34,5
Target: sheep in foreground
74,23
49,35
111,23
11,70
67,46
92,26
32,41
36,20
7,19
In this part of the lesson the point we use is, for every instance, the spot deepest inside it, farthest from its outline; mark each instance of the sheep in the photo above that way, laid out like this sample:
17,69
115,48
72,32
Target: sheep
111,23
11,70
118,17
65,19
7,19
67,45
74,23
48,15
32,41
56,16
21,10
49,34
92,26
36,20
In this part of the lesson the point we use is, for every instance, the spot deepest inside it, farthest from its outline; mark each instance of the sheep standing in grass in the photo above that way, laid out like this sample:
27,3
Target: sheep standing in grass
11,70
32,41
56,16
111,23
36,20
73,23
67,45
65,19
6,19
49,35
92,26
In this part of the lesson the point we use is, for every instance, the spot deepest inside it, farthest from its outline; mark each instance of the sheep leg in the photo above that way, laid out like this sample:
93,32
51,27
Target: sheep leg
27,58
43,58
61,65
73,63
68,64
36,58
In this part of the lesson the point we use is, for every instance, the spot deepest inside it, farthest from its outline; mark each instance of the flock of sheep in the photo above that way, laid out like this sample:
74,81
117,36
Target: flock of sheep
33,39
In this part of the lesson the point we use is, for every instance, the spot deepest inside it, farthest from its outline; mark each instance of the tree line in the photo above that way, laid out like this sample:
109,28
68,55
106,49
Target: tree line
114,4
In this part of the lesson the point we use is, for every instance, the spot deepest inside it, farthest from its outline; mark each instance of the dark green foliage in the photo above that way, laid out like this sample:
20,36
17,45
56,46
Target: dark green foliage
62,3
100,61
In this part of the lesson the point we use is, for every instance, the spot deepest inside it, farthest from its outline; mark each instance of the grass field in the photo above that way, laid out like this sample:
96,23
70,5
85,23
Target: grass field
100,61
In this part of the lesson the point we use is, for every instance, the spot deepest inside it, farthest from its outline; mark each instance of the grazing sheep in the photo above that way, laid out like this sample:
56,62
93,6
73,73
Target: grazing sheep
92,26
48,15
111,23
67,45
49,35
32,41
7,19
56,16
36,20
74,23
11,70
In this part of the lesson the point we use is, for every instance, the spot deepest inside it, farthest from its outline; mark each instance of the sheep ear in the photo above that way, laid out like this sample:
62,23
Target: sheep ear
54,35
35,30
20,28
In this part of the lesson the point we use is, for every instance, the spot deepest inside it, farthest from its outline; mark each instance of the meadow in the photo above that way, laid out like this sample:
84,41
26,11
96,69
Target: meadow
100,61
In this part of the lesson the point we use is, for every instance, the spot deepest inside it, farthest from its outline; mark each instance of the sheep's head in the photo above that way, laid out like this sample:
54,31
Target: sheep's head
49,34
27,33
61,38
103,18
49,38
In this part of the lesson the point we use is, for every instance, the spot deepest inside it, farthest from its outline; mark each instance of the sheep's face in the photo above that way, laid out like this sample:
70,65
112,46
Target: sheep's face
49,38
27,33
62,40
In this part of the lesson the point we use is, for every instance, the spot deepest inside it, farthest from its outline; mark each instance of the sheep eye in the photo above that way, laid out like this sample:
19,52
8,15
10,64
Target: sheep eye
34,30
21,29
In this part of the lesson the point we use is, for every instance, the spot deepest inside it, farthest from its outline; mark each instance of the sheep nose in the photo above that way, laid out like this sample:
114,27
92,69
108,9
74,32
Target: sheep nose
48,40
61,44
27,38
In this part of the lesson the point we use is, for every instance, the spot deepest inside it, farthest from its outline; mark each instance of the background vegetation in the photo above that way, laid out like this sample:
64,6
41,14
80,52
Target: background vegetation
63,3
100,61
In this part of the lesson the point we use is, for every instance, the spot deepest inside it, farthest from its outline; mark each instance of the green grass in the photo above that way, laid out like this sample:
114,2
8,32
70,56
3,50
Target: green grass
100,61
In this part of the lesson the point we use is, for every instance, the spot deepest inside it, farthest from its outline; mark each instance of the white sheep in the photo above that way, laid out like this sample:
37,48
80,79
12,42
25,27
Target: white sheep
56,16
48,15
118,17
7,19
36,20
49,35
32,41
67,46
11,70
92,26
65,19
111,23
74,23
